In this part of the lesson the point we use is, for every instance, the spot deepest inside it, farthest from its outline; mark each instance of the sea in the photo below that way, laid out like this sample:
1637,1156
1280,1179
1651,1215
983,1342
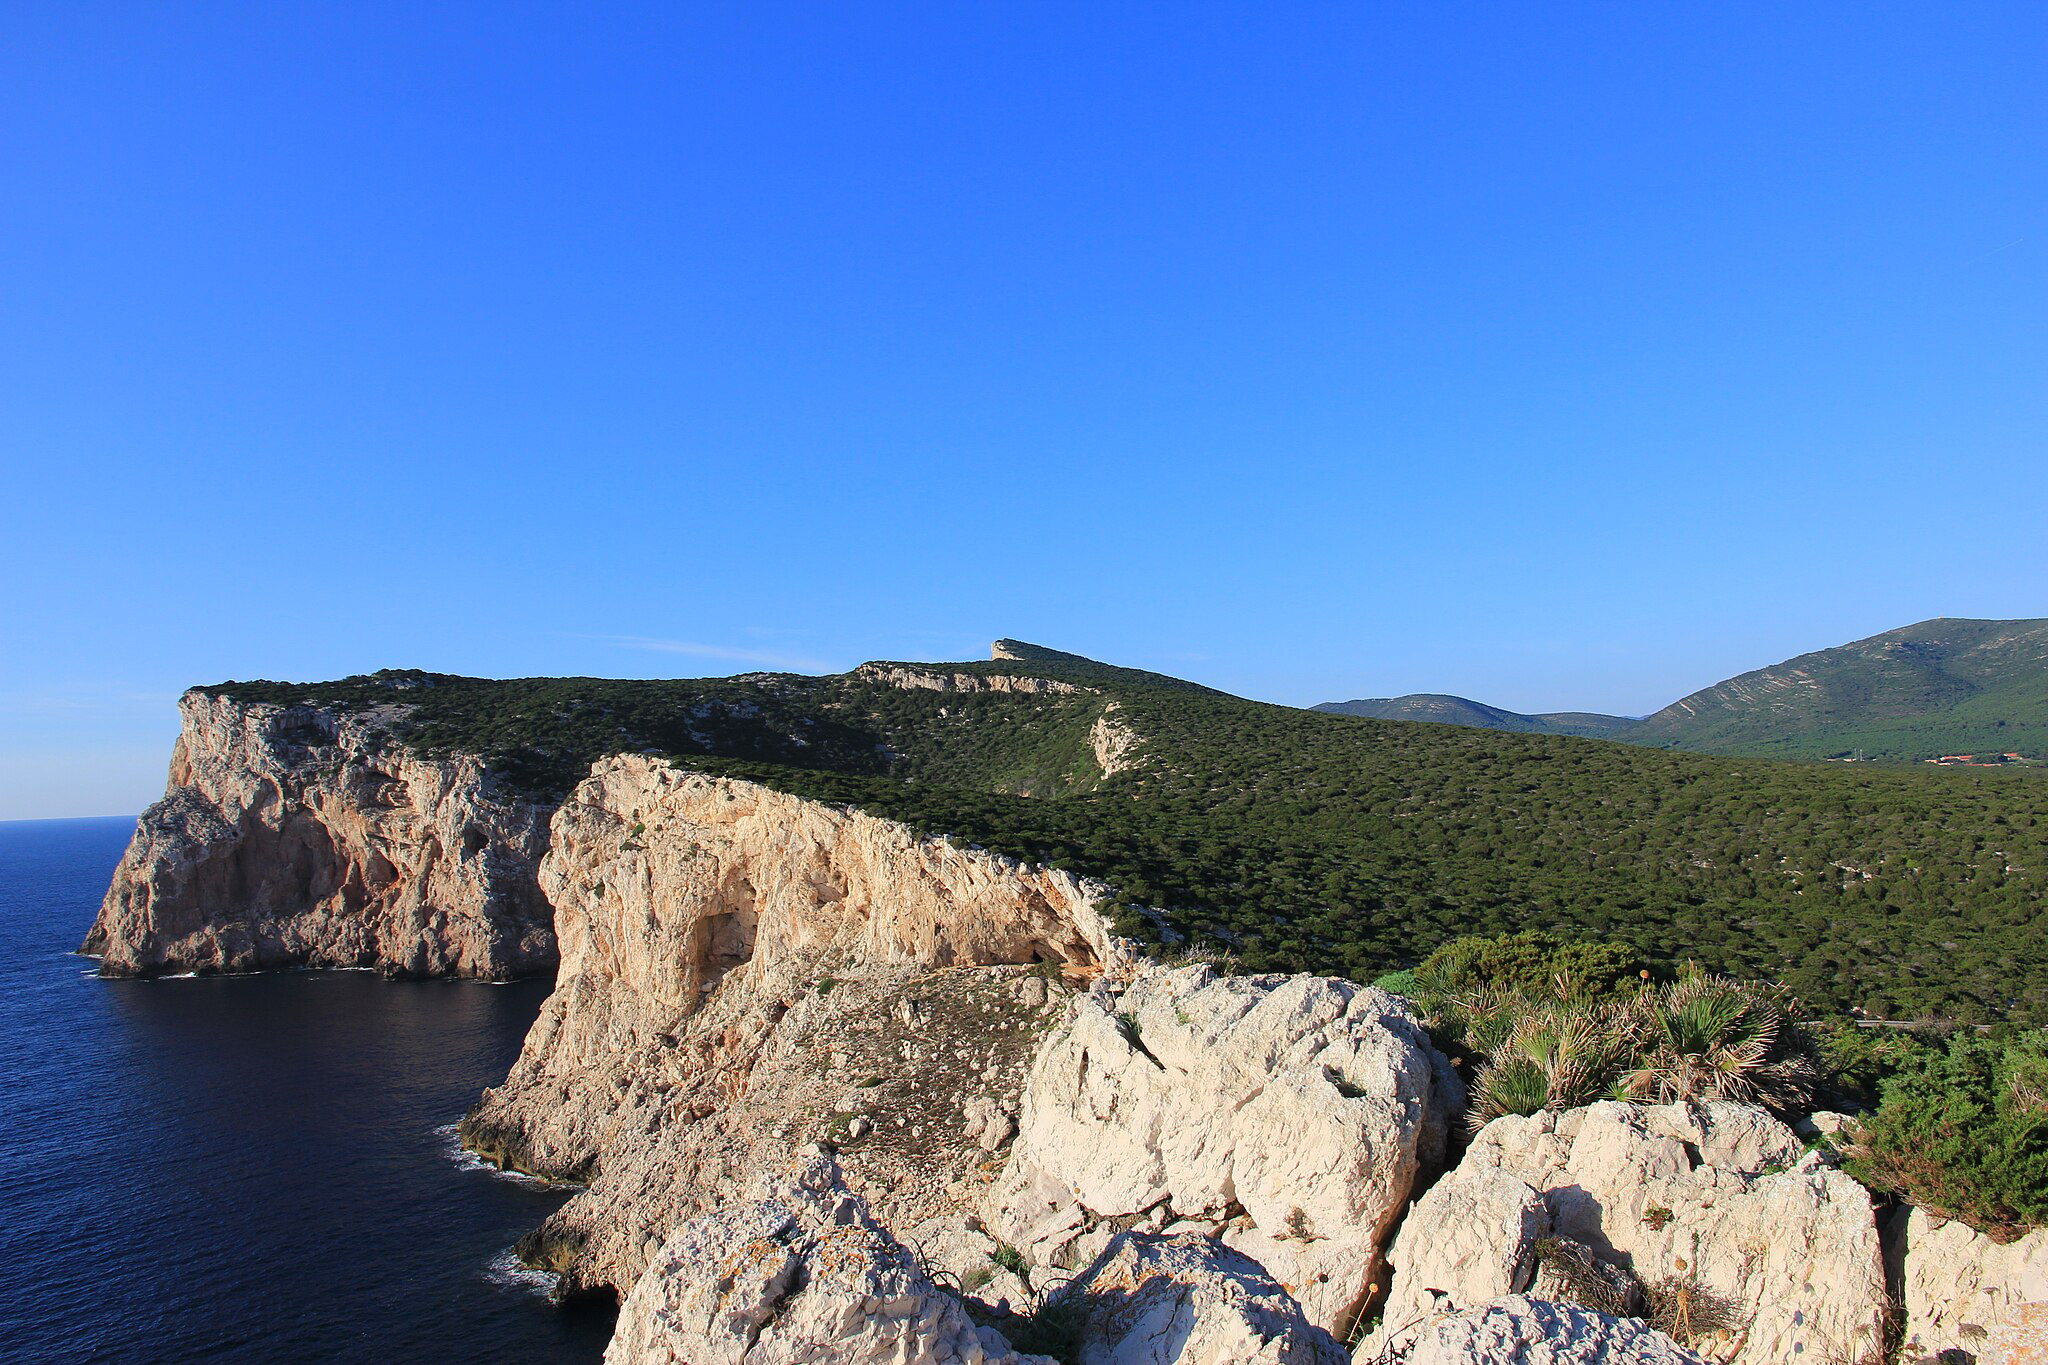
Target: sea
249,1169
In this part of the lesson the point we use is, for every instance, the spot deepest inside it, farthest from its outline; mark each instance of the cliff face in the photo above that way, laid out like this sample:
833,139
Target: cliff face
290,836
744,971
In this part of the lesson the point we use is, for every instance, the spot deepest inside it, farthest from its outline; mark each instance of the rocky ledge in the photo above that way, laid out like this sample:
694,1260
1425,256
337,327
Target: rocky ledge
291,836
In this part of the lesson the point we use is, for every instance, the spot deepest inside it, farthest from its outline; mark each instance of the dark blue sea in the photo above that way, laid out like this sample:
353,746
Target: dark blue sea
251,1168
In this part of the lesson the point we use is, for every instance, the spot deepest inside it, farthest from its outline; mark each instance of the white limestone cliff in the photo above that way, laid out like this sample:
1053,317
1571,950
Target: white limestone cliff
745,971
913,679
291,836
1114,743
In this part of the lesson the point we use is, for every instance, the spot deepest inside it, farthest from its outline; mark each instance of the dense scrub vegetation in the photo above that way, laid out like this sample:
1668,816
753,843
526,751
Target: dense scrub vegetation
1962,1127
1300,840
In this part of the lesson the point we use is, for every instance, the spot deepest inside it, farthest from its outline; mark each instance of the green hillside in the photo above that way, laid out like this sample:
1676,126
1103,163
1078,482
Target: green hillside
1944,686
1442,709
1308,841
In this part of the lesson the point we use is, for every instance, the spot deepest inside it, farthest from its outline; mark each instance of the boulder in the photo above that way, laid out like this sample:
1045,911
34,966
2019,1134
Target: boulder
1772,1255
1472,1238
1293,1114
1187,1300
1959,1284
802,1274
1531,1332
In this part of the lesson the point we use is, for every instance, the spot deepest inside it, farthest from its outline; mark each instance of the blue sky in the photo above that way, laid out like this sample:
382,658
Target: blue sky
1561,355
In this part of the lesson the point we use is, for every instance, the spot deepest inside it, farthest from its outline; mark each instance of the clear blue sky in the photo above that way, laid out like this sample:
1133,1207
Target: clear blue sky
1556,355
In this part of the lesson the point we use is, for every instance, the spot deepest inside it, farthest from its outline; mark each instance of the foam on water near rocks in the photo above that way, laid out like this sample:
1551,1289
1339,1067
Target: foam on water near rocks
506,1272
465,1160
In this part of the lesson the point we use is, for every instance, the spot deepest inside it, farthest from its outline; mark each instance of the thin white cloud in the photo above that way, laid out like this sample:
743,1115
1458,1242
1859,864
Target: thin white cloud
82,698
726,652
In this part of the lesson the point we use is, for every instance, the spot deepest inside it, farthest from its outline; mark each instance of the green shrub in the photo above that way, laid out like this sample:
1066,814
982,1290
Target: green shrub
1530,963
1555,1023
1558,1056
1965,1134
1857,1061
1398,983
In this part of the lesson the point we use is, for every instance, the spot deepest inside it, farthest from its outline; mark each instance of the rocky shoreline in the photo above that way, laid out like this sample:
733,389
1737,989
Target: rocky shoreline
837,1092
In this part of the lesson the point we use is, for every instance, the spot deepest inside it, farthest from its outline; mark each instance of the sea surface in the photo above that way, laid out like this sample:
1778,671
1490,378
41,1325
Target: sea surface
252,1168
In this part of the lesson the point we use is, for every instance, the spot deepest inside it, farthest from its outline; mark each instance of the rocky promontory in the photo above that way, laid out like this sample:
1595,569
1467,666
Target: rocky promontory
835,1088
296,836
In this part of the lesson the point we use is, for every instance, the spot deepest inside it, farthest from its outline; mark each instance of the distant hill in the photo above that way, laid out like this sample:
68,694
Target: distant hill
1946,686
1448,710
1941,687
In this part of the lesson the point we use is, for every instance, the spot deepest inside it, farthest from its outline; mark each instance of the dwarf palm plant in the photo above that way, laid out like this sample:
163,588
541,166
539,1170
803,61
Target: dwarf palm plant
1709,1037
1557,1056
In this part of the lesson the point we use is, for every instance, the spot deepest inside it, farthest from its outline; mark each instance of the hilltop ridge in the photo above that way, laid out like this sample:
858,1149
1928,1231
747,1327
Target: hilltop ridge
1945,686
1443,709
1937,686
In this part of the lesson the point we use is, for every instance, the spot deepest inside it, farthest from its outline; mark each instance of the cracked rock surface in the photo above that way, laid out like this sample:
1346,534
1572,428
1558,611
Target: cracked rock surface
1291,1116
1189,1300
802,1274
1528,1331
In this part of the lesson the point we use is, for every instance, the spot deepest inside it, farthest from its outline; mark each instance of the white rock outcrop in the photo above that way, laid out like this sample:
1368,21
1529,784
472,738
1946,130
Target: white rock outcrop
1291,1116
1528,1331
292,836
1715,1199
800,1275
1958,1284
745,971
1113,742
932,680
1188,1300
